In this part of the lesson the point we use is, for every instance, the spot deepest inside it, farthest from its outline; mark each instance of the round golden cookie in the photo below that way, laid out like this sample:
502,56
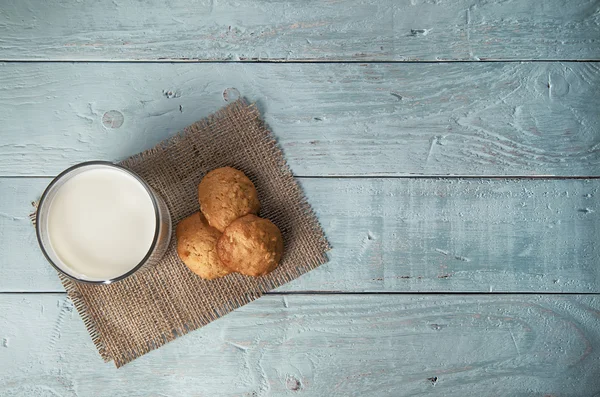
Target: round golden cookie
196,246
251,246
226,194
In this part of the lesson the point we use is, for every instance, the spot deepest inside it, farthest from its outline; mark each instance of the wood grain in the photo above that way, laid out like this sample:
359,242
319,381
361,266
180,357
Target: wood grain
378,345
309,30
420,235
331,119
347,119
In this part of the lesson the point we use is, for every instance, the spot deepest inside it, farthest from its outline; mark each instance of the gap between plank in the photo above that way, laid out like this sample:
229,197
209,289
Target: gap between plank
386,176
358,293
426,293
288,61
417,176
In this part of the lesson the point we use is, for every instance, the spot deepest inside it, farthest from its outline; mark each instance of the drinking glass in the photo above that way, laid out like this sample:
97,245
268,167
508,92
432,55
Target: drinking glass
162,232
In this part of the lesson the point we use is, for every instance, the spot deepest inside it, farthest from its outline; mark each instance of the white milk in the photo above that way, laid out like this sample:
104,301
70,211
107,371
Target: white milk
101,223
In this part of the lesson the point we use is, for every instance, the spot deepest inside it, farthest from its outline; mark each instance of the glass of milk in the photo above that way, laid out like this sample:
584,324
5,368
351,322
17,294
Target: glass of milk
98,223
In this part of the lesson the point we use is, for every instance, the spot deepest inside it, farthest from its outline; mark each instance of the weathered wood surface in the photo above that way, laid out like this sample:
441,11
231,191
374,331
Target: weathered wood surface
400,235
331,119
330,345
353,119
306,30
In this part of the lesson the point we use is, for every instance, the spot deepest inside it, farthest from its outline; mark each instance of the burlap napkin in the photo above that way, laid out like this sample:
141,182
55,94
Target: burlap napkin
143,312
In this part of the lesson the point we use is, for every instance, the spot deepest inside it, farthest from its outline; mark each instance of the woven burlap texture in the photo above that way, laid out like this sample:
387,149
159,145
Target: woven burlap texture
143,312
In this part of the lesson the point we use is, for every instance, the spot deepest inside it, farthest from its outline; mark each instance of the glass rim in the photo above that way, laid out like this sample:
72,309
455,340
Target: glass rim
156,218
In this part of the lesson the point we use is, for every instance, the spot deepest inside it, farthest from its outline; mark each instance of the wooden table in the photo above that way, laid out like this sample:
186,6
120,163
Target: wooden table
450,148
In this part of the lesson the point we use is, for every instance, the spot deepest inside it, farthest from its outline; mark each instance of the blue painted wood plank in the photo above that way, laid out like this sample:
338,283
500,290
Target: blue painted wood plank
399,235
308,30
328,345
331,119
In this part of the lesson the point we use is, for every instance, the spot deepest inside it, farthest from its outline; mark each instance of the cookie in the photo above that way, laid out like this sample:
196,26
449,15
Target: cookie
196,247
251,245
226,194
